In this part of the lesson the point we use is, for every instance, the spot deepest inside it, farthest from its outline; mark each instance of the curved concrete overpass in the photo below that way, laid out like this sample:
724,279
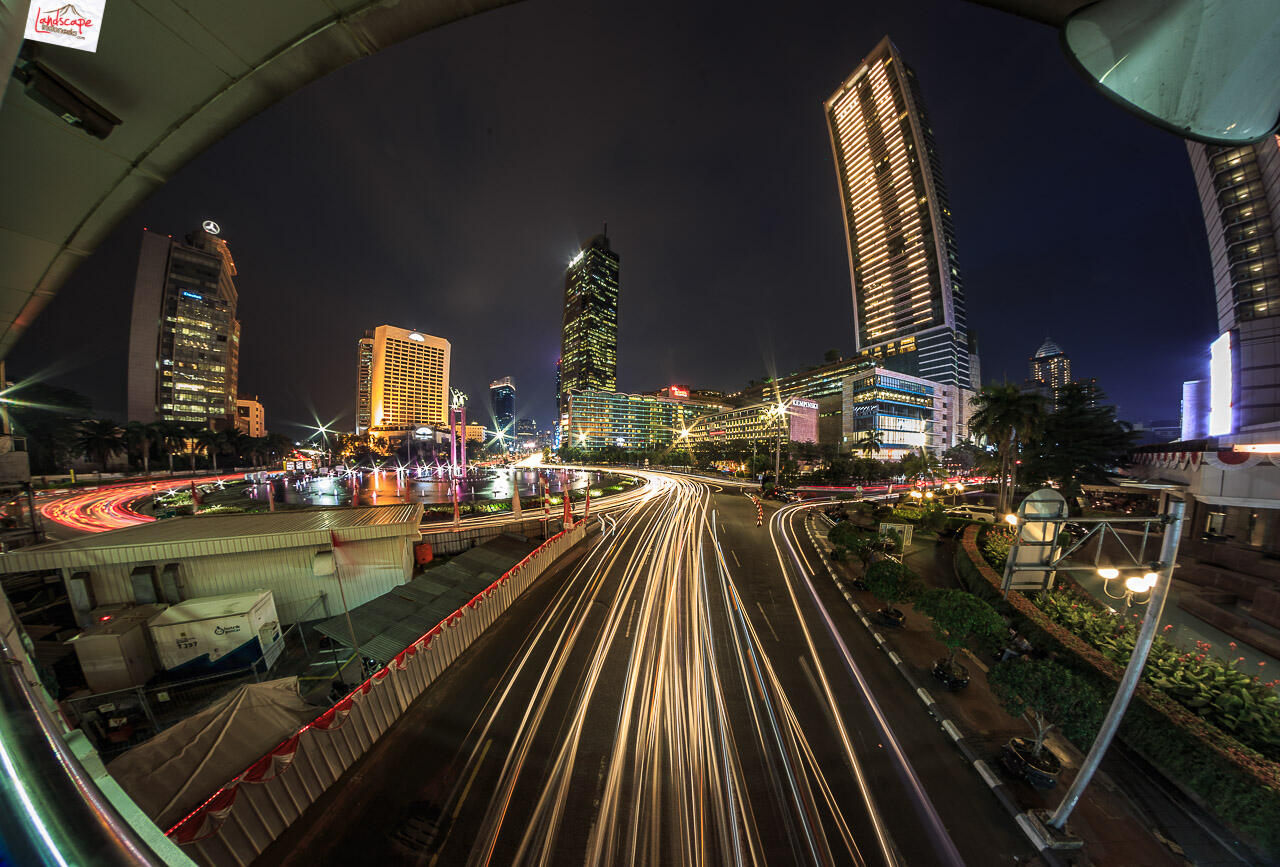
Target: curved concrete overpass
178,76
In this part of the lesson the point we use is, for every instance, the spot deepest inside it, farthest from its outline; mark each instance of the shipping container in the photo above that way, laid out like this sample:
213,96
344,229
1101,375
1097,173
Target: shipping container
217,633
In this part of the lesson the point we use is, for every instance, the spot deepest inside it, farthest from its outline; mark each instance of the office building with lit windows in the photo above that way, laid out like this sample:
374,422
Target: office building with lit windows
589,339
364,382
184,338
410,381
502,400
599,419
760,423
909,311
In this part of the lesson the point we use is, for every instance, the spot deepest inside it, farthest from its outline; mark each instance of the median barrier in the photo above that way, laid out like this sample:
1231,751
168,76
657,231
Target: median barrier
238,822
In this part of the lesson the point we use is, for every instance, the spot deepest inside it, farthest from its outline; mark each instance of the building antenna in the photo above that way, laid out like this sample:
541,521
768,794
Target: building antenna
606,228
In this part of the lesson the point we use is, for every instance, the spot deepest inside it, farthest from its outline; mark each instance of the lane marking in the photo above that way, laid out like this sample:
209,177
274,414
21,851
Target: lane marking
767,623
735,558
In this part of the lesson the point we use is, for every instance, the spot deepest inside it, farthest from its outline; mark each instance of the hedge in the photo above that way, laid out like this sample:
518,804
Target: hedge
1236,783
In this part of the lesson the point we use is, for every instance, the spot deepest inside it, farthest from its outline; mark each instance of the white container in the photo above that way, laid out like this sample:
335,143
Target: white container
216,633
114,654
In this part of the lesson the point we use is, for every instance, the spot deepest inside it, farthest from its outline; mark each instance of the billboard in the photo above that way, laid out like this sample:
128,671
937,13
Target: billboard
1220,386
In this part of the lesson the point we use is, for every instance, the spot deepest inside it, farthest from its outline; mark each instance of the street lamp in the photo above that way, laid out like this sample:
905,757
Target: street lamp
1011,519
1134,585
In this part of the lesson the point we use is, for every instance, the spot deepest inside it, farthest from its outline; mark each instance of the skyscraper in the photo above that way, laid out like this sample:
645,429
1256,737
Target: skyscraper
410,381
589,341
502,399
1240,196
1050,370
364,382
907,296
184,339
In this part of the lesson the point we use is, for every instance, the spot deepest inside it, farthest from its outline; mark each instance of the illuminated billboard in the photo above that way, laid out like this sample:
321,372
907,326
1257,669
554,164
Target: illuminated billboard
678,392
1220,386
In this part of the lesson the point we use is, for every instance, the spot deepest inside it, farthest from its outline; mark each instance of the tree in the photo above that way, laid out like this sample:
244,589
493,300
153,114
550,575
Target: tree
140,436
171,438
1007,416
871,443
1080,442
1047,696
211,442
891,583
956,616
100,438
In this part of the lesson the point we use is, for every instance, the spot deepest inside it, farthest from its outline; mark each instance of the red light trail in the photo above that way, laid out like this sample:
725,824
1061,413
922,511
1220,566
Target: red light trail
111,508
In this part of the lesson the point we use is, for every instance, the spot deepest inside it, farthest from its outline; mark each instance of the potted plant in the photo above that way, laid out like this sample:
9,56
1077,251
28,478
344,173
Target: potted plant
1047,696
891,583
956,616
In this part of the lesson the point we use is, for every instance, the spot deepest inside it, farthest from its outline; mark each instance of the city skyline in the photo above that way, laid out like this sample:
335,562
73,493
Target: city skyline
300,281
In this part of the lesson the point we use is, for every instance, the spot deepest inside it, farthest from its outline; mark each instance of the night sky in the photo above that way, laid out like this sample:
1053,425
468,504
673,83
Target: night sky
445,183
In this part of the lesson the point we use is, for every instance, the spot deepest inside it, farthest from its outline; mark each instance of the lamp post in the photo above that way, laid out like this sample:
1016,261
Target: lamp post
1160,581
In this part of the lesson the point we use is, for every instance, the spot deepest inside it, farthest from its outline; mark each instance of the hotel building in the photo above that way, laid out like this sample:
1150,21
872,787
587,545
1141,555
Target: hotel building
759,423
409,384
589,339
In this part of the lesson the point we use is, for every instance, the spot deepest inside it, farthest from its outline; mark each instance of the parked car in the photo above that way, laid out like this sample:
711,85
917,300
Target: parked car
981,514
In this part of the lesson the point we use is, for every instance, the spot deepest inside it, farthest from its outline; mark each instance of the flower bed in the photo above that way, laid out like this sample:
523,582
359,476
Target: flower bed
1236,782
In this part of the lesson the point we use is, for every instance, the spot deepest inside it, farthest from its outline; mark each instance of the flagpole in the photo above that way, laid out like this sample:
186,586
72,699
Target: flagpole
345,610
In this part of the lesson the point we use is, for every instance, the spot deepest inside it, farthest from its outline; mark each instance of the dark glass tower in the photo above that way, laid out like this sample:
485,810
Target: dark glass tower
589,341
502,399
907,298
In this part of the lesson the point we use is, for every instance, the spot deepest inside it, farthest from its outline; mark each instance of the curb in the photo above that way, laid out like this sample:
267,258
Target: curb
953,731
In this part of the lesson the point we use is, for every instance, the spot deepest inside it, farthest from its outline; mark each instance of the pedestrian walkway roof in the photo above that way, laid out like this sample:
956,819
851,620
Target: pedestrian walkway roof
387,625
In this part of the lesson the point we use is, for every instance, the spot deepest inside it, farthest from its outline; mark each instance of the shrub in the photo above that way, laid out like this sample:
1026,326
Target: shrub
957,615
890,582
1048,696
996,543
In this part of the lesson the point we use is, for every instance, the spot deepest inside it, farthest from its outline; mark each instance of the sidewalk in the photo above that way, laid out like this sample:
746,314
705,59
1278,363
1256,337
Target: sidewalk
1113,828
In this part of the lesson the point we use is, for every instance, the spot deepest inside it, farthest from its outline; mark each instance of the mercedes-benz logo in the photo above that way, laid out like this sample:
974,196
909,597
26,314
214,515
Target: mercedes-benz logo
211,227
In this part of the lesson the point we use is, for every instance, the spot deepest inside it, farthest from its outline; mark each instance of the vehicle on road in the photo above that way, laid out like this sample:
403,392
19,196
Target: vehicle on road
980,514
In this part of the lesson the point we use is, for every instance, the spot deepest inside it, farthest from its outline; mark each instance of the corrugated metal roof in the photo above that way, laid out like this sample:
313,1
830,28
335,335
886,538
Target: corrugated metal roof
387,625
175,538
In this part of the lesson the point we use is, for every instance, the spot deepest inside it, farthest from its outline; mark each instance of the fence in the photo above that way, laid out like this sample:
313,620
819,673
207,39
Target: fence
241,819
116,721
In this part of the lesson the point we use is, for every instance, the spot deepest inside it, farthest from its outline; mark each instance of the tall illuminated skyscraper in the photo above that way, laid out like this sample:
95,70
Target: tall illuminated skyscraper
1050,367
502,400
907,297
184,338
589,341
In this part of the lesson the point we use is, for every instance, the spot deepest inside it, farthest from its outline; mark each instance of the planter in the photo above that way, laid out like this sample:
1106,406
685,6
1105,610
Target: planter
952,675
891,617
1019,758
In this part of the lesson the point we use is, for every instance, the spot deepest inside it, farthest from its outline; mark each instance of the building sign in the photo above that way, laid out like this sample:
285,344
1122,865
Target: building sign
211,227
417,337
677,391
1220,386
804,404
423,433
71,25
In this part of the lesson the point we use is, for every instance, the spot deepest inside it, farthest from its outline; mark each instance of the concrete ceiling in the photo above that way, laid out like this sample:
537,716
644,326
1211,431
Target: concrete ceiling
179,75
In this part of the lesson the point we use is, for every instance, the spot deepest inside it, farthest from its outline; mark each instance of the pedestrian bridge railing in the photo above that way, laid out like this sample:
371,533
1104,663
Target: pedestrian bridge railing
239,821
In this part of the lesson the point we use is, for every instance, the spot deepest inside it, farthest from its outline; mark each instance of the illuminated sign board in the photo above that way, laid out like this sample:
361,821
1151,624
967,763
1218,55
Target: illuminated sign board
186,294
423,433
416,336
1220,386
576,259
804,404
211,227
677,391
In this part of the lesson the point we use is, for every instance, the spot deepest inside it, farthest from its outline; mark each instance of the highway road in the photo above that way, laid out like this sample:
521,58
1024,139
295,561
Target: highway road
684,691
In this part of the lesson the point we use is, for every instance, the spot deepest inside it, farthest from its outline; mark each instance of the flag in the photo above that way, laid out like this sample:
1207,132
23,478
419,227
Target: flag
271,495
457,518
195,495
586,508
568,513
515,498
546,496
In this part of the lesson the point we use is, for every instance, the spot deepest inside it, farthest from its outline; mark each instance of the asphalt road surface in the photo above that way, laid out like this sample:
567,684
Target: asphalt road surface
683,691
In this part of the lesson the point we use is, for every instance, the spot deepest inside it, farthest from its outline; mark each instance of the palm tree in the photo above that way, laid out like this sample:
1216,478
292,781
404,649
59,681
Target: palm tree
212,442
871,443
237,442
140,435
171,438
100,438
1007,416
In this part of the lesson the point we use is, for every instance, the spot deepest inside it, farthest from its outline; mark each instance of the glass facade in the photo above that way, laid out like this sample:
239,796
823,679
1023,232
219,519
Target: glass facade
364,382
908,301
599,419
759,423
502,400
589,341
898,408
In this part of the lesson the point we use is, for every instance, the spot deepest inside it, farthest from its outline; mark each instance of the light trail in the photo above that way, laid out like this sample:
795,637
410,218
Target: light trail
111,507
